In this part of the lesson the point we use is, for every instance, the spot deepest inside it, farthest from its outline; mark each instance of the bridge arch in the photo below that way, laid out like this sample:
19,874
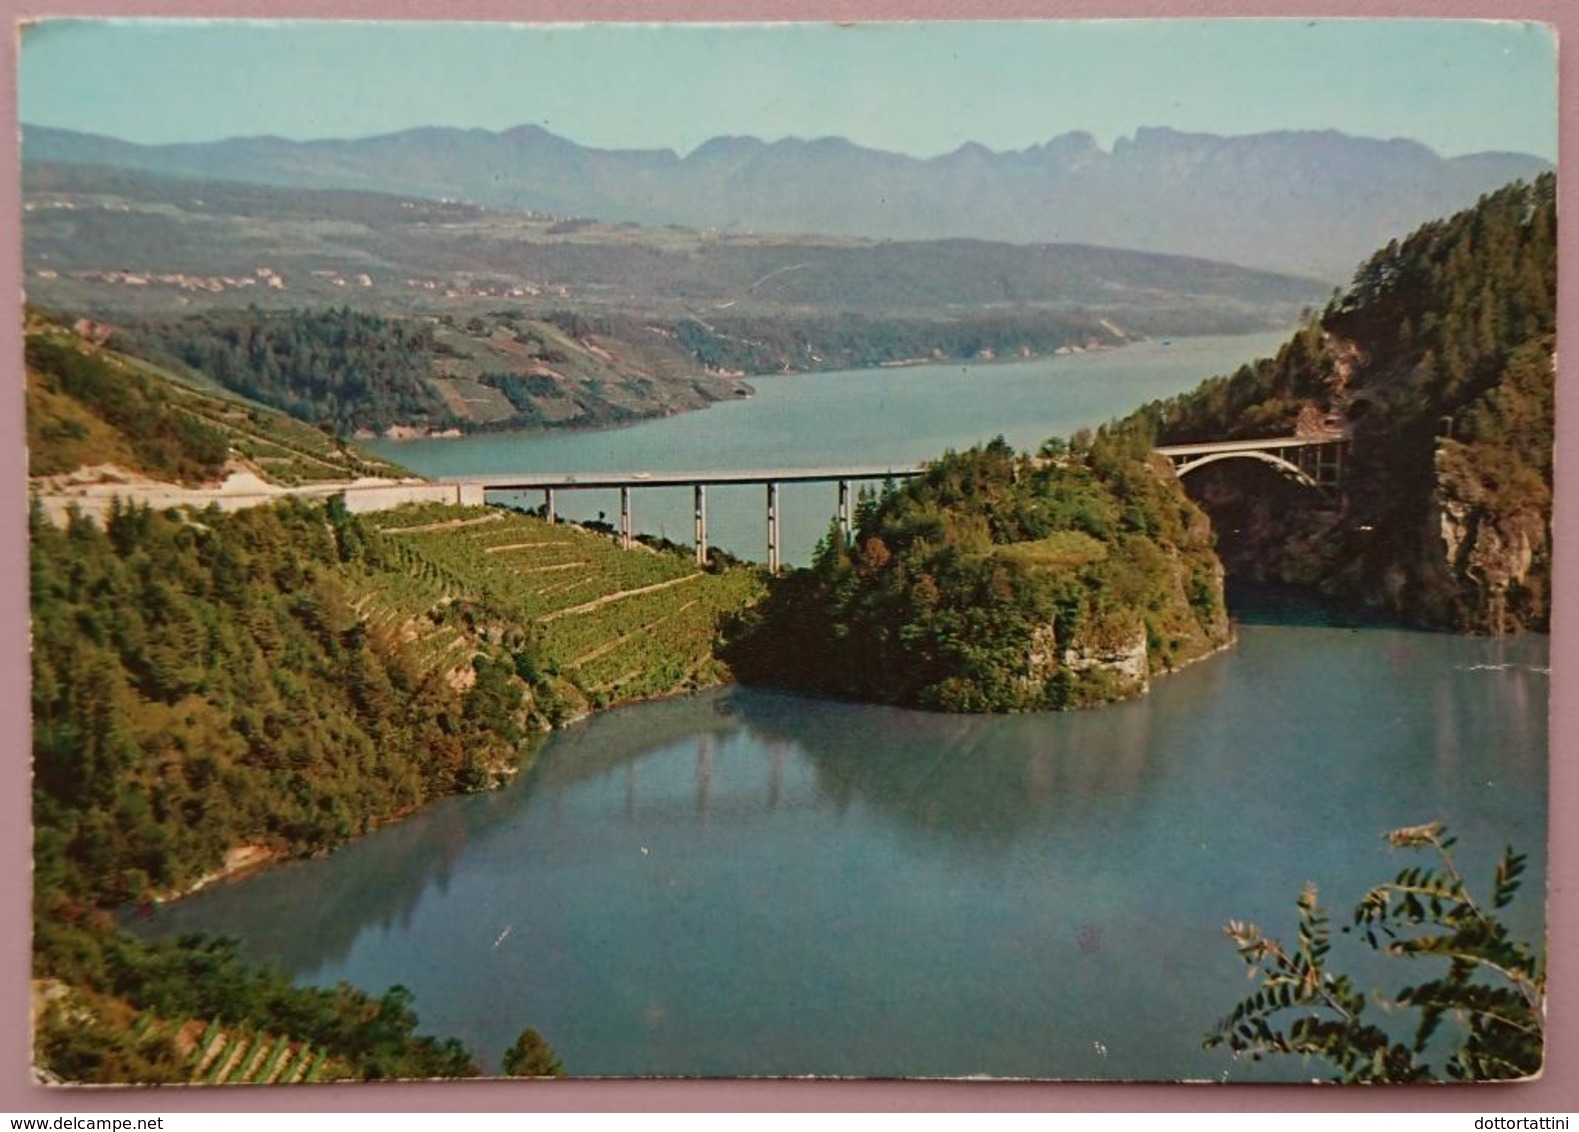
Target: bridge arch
1288,470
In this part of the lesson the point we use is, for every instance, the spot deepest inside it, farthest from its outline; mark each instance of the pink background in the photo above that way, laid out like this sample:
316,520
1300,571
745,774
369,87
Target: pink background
1556,1091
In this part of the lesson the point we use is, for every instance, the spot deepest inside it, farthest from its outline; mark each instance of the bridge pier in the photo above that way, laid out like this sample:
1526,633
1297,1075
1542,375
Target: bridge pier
1329,467
773,527
701,523
773,478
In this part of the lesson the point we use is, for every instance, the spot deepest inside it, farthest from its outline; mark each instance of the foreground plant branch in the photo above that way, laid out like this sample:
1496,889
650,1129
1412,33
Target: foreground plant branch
1492,992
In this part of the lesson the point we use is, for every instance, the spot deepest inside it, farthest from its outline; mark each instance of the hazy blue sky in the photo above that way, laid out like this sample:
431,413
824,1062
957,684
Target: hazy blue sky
921,88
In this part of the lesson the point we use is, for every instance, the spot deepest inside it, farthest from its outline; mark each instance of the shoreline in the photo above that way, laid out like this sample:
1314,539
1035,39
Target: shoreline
403,434
574,427
244,860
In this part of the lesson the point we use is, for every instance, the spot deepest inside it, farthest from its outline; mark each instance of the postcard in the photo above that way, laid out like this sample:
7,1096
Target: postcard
926,550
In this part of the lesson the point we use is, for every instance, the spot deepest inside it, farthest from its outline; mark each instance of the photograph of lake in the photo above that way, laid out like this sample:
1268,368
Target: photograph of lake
1012,550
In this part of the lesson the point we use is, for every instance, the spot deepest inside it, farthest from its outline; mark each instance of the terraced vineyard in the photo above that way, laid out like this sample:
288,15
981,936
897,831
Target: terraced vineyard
218,1056
281,449
619,624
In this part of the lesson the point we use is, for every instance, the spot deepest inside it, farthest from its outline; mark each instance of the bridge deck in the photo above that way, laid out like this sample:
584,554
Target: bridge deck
539,481
1251,445
542,481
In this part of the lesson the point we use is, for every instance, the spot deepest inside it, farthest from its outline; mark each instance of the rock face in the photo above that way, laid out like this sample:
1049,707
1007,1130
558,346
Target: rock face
1126,661
1456,555
1488,564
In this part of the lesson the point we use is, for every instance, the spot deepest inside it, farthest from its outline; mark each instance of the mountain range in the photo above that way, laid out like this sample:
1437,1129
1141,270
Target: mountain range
1308,202
118,241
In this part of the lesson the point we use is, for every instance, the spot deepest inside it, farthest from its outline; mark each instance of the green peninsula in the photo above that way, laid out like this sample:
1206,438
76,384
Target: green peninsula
1000,581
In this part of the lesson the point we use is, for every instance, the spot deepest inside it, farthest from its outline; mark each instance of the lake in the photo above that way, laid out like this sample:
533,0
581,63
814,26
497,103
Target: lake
894,417
748,883
751,883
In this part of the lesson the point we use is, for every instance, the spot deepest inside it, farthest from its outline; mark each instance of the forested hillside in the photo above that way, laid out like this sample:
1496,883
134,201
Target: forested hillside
1001,582
211,689
332,366
1440,360
215,690
356,373
203,685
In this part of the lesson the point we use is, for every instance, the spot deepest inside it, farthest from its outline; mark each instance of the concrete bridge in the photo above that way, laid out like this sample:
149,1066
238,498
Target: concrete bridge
1317,462
550,483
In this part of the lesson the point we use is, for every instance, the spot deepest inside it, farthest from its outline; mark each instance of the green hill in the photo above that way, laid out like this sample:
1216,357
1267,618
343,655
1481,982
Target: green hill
999,582
361,311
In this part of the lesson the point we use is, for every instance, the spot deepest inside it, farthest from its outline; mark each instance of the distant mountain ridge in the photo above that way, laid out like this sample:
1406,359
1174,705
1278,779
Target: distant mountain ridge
110,240
1309,202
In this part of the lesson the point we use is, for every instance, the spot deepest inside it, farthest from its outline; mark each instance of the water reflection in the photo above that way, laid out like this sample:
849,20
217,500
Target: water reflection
303,915
731,756
979,779
592,749
745,881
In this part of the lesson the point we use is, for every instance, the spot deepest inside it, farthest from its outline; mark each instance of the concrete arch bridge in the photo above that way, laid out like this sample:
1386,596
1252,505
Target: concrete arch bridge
1319,461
